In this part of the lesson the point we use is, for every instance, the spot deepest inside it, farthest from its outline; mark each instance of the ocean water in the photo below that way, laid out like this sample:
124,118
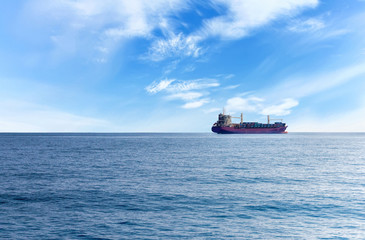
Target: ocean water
182,186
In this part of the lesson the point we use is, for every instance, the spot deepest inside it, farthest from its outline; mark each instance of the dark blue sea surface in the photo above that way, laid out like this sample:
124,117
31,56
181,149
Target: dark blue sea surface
182,186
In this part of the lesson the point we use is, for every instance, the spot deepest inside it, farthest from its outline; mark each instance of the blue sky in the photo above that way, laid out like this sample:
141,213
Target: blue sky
172,65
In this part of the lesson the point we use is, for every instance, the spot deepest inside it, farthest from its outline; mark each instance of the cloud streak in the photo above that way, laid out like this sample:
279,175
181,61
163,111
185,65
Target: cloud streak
281,109
177,45
186,96
244,16
308,25
156,87
313,84
173,85
104,24
190,91
239,20
195,104
293,89
260,105
108,24
248,104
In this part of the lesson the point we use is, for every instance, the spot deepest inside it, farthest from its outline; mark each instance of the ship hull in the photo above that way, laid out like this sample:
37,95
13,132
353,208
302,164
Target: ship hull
232,130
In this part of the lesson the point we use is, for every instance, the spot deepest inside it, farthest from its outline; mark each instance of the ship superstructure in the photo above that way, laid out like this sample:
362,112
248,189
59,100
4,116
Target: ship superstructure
224,125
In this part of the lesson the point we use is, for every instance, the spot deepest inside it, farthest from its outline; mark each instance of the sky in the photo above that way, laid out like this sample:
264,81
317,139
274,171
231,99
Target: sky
173,65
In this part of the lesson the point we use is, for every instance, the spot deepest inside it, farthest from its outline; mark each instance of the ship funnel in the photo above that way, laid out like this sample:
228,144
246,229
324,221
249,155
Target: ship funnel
268,119
241,118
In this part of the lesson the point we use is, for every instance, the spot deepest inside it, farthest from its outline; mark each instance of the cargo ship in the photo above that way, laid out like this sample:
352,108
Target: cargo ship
224,125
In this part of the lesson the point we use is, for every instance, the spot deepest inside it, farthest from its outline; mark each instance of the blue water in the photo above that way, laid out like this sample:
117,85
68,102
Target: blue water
182,186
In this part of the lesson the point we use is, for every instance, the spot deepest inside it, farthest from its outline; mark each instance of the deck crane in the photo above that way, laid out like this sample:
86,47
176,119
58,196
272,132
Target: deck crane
268,119
240,118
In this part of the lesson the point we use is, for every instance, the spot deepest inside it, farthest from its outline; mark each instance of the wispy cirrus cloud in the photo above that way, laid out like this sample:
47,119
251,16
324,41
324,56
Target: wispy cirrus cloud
281,109
195,104
307,85
320,28
173,85
238,20
307,25
243,16
261,106
104,25
176,45
107,25
187,96
190,91
293,89
247,104
232,87
156,87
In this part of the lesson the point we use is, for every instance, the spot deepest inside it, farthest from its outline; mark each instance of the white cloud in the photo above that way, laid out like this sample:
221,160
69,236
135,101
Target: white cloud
260,105
195,104
194,84
156,87
308,25
232,87
249,104
103,24
170,67
244,16
312,84
186,91
106,25
281,109
316,30
241,18
186,96
189,68
320,28
177,45
180,85
229,76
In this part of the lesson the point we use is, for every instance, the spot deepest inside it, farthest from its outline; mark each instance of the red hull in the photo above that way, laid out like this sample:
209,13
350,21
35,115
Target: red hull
232,130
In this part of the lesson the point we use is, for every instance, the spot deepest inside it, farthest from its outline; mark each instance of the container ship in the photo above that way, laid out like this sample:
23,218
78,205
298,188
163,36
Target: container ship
224,125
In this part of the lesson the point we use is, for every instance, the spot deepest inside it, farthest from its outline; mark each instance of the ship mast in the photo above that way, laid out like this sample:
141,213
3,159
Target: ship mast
239,117
268,119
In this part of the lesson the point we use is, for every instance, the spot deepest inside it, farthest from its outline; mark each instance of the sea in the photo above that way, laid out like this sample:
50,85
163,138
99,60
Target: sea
182,186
